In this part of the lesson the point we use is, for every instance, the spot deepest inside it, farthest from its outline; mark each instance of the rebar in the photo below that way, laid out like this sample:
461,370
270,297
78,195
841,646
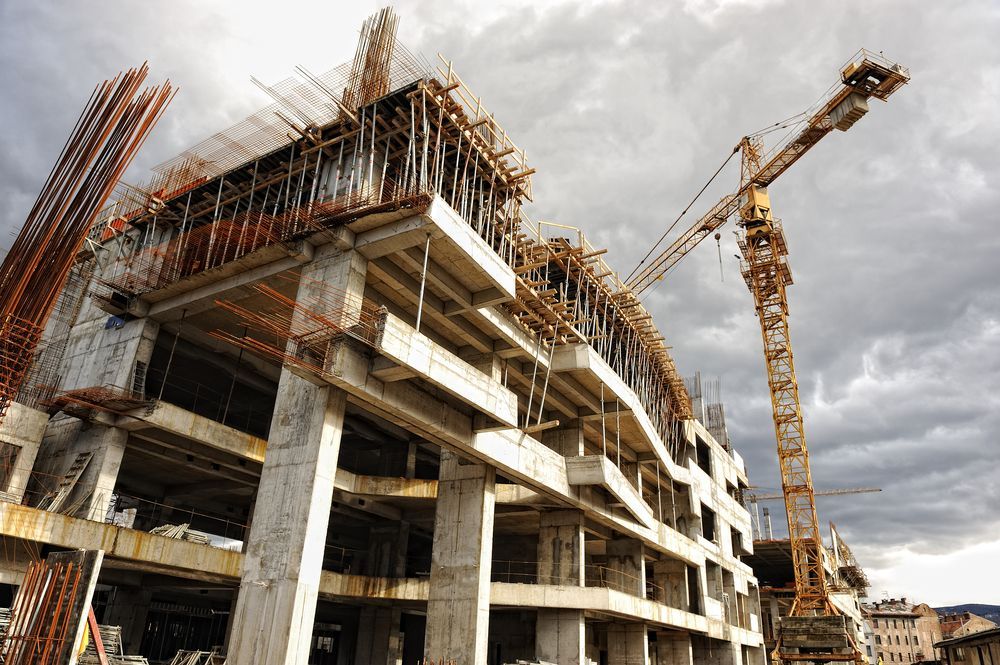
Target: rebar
113,126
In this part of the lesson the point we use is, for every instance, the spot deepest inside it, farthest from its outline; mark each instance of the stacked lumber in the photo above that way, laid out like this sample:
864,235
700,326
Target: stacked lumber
181,532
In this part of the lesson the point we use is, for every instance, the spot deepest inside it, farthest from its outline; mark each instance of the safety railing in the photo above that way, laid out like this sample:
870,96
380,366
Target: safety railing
595,575
222,406
87,501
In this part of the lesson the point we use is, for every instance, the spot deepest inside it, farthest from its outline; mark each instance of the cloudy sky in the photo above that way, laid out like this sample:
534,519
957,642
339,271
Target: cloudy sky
626,108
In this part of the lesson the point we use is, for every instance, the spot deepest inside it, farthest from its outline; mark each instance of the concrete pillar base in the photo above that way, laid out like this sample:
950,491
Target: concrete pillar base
560,637
627,644
379,640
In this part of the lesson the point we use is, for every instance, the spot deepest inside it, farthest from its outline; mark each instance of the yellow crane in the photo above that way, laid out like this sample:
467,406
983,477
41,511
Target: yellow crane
814,630
750,496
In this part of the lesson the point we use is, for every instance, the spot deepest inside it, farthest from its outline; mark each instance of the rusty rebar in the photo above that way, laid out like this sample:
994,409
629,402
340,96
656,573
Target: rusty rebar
109,132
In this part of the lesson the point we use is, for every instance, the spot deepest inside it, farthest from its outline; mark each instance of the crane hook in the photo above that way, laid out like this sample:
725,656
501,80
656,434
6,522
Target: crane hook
718,245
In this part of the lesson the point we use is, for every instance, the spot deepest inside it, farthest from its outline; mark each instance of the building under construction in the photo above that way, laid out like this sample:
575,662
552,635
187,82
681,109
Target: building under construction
321,392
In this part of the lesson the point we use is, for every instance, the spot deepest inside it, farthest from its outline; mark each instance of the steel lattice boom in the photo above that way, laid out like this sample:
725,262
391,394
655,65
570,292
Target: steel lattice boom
866,75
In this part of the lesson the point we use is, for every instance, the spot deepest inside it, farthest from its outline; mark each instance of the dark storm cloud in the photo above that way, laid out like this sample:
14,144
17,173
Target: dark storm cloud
626,109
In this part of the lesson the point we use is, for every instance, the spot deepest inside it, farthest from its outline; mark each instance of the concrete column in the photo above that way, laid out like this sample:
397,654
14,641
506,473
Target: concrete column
22,428
65,440
626,567
276,605
349,629
97,355
560,637
729,598
561,548
671,576
458,606
567,441
129,609
387,550
284,555
715,652
627,644
100,354
411,459
101,476
673,649
380,641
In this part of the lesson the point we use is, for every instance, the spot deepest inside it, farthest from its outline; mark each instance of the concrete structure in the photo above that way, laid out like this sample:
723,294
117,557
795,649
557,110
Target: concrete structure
772,565
439,455
904,632
979,648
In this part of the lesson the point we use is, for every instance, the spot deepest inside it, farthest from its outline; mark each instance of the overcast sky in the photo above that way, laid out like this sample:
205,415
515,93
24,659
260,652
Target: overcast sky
625,109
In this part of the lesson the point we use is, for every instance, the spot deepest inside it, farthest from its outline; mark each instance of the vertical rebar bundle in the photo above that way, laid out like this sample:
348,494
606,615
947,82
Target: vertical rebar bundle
370,73
113,126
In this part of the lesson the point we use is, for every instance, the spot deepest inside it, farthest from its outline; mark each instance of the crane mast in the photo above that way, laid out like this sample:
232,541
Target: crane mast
766,273
803,635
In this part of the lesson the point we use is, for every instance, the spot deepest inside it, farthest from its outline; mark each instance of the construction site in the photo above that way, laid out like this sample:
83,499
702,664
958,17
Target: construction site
320,391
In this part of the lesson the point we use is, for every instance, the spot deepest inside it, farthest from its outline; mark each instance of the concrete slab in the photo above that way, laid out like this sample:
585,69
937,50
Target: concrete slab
599,470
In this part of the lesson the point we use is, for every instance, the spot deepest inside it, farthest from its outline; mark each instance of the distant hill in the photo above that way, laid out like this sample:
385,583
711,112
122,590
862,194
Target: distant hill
991,612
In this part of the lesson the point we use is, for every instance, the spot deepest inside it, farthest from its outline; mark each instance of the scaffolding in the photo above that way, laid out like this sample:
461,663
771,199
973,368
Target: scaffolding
383,134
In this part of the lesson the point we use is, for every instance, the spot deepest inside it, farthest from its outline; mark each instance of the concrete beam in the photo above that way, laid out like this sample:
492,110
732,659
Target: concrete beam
394,237
166,417
471,247
145,551
598,470
514,453
136,550
434,308
416,352
582,357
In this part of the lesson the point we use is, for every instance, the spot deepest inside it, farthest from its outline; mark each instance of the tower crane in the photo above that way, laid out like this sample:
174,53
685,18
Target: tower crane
814,630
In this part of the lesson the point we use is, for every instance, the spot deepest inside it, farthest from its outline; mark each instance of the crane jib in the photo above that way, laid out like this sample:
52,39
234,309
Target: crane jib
865,75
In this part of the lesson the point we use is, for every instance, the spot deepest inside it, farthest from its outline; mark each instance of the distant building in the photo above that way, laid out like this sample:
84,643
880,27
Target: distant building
962,624
981,648
904,632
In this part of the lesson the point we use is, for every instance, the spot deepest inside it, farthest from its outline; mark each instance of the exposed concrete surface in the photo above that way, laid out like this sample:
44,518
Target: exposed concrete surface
284,555
23,428
458,606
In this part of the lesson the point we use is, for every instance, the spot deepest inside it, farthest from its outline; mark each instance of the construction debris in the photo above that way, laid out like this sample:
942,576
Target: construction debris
181,532
198,658
49,613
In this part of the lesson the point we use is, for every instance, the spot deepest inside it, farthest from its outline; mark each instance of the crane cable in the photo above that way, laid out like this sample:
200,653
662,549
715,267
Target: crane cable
701,191
790,121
